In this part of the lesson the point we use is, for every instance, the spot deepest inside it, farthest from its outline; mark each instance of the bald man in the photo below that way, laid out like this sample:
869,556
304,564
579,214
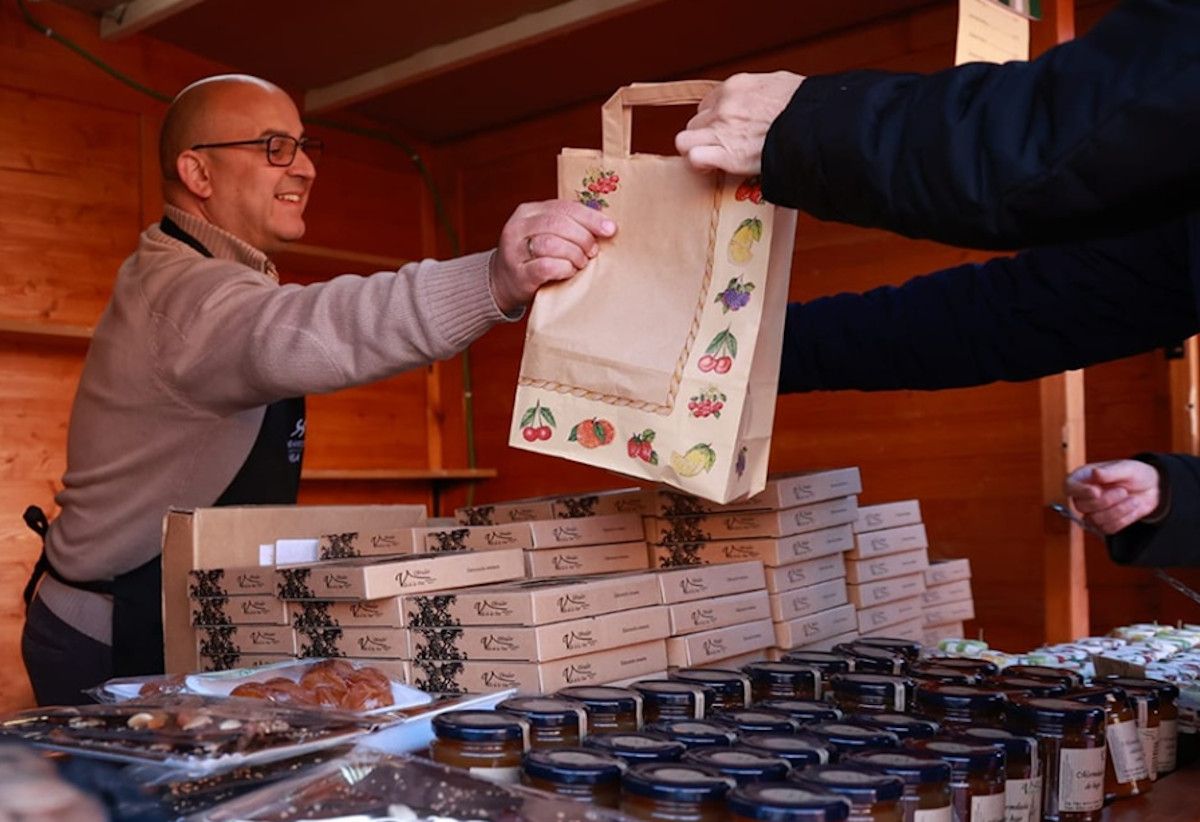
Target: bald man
192,393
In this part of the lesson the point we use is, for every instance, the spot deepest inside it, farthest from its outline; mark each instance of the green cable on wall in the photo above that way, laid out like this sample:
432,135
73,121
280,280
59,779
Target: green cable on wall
439,208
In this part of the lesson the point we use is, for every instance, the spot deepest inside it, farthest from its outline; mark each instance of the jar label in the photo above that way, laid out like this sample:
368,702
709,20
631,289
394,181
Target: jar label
1168,731
990,808
1023,800
1081,779
899,697
934,815
1127,749
503,776
1149,740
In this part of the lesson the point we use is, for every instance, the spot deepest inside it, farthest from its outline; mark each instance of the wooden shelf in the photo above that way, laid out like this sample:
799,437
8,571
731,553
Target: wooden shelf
397,474
377,262
58,331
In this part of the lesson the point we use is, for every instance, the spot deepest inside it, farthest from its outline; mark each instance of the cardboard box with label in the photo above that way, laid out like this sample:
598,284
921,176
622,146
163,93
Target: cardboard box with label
882,591
949,612
859,571
803,574
913,629
363,642
782,491
581,560
352,544
221,641
610,529
887,515
367,613
889,541
707,647
809,599
956,591
751,524
569,506
718,612
707,581
770,552
814,627
942,571
242,610
892,613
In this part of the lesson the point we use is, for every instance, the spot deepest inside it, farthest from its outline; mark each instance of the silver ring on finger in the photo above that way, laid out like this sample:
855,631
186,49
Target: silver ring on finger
529,248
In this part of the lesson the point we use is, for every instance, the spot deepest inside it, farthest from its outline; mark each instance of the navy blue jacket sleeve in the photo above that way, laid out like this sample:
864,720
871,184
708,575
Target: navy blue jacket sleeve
1176,539
1012,318
1095,138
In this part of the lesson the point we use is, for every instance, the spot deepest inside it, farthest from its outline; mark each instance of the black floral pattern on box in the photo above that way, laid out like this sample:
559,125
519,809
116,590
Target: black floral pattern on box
437,677
575,507
320,643
217,641
339,546
437,643
686,554
312,616
439,541
680,505
206,584
431,611
210,611
683,530
293,583
480,515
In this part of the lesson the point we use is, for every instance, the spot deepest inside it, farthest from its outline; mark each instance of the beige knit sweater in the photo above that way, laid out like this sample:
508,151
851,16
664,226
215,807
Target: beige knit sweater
184,360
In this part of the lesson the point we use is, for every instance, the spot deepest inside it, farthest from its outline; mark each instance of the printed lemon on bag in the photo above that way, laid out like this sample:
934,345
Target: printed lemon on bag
698,458
747,234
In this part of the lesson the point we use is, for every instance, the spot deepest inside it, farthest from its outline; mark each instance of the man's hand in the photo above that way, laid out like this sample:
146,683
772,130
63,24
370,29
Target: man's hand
542,243
731,125
1113,495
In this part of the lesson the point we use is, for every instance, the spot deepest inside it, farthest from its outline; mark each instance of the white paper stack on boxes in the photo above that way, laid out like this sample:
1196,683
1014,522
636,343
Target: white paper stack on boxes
947,600
885,570
798,528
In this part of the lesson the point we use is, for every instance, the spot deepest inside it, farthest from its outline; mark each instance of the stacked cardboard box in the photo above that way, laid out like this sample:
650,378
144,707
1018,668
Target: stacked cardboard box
537,635
885,570
717,613
947,600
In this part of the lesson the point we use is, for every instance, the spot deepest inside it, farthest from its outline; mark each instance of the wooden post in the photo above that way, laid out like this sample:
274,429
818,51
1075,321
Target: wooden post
1063,448
1183,376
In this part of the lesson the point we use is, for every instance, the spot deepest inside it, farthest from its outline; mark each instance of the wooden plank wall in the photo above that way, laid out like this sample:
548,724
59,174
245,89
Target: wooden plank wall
78,181
971,456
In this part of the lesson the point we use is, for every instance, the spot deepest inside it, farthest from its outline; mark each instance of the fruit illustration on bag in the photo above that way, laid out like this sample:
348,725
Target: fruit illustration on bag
740,465
543,430
736,295
748,232
698,458
708,403
641,447
750,189
592,433
720,354
596,184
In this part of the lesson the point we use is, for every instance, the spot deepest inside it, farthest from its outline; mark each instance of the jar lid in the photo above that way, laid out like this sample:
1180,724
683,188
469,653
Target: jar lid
1070,678
882,685
862,786
677,782
604,698
914,767
805,710
696,731
742,764
670,691
774,802
755,720
1097,694
872,659
573,766
637,747
786,673
962,756
847,735
958,697
905,726
980,667
1015,746
730,683
825,661
798,749
1166,690
544,710
940,673
1057,712
480,726
897,645
1029,685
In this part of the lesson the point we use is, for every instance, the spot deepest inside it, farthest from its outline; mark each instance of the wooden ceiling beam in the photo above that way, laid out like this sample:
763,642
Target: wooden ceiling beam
521,32
138,15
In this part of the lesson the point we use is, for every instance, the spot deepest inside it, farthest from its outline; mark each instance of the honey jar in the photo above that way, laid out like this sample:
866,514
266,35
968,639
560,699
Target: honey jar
976,777
636,748
1125,771
675,792
490,745
1022,771
847,738
673,699
1070,739
731,689
873,796
905,726
608,709
696,733
798,750
775,802
1166,746
758,720
960,705
742,764
575,773
926,779
782,680
803,711
553,723
870,692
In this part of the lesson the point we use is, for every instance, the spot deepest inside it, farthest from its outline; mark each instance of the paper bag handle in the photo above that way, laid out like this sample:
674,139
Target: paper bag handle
616,116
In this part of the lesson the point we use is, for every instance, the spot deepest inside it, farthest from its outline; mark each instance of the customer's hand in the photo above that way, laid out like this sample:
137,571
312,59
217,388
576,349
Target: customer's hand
731,125
1113,495
542,243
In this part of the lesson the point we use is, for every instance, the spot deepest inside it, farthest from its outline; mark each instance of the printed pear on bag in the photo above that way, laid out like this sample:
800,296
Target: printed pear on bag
660,360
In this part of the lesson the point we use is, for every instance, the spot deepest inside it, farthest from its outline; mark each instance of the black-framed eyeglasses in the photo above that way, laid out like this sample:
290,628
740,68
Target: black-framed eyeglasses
280,148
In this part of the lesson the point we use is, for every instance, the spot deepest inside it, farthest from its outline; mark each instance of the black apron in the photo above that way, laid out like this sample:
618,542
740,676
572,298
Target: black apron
270,475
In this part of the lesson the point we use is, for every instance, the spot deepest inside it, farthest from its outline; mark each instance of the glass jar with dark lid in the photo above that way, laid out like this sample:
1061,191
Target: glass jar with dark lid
675,792
782,680
940,673
696,733
1025,686
673,699
847,737
1166,747
731,689
905,726
758,720
926,779
977,667
553,723
634,748
577,773
1126,767
827,662
873,795
1068,678
743,764
907,648
976,777
1022,770
872,659
1070,739
871,692
490,745
961,705
798,750
608,709
776,802
802,710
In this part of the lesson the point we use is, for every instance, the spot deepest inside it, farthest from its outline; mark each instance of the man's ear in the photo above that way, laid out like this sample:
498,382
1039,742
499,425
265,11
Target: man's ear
194,173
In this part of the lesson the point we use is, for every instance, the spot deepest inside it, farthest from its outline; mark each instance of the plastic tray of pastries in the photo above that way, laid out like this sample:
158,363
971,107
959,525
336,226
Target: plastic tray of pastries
193,733
367,785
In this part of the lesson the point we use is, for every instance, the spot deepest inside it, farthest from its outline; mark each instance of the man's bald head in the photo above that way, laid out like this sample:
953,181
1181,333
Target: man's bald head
197,114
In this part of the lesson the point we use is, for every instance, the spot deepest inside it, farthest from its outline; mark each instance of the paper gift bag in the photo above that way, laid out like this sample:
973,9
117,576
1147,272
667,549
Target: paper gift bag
660,360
